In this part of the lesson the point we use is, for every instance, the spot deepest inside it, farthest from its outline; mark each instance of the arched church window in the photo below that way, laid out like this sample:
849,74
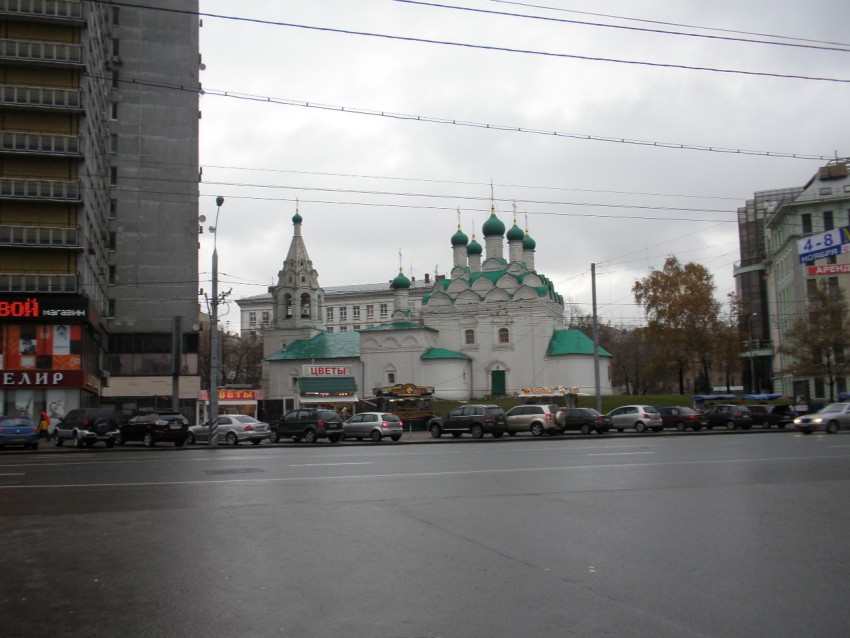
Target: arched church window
469,337
504,335
305,305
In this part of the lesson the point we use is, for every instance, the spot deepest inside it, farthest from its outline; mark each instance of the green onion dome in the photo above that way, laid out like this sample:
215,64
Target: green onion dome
493,226
400,281
459,238
515,233
296,218
528,243
474,247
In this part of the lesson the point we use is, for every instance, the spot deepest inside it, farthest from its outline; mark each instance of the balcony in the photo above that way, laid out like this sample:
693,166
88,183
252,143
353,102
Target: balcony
39,144
47,53
41,97
34,282
39,236
39,189
63,11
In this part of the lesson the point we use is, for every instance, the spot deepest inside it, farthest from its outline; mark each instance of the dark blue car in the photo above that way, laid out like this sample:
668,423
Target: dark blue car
18,430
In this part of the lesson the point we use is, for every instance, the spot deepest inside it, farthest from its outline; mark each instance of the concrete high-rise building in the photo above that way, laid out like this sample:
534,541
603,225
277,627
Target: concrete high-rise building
98,202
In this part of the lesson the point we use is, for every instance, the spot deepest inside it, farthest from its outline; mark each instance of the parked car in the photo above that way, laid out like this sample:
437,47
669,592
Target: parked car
534,418
769,415
639,417
87,426
832,418
233,429
729,416
18,430
476,420
152,427
584,420
373,425
310,424
682,418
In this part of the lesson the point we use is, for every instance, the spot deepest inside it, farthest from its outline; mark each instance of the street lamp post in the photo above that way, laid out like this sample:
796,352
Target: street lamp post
215,353
753,387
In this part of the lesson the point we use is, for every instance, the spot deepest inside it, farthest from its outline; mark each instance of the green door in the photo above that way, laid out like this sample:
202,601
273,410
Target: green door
497,382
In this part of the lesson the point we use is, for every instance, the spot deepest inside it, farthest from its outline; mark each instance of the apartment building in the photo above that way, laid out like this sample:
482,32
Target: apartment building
98,202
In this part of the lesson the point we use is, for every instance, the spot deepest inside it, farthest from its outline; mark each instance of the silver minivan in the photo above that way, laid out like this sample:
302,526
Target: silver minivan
536,419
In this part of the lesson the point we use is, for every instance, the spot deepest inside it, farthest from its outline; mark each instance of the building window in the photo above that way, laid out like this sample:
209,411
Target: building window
356,326
252,318
113,208
469,337
110,307
806,219
370,312
115,15
113,143
113,176
112,271
343,328
113,111
828,221
113,240
819,388
382,308
355,313
343,313
329,314
330,328
504,335
390,378
266,318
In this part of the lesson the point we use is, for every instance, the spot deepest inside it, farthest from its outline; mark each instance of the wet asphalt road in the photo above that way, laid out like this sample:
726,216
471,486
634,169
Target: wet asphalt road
730,535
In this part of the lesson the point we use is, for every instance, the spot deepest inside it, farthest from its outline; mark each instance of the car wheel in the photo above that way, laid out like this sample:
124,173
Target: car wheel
497,435
536,429
731,425
585,428
190,439
476,431
832,427
57,441
232,439
119,438
275,437
78,441
640,426
148,440
436,430
376,436
396,437
680,426
310,436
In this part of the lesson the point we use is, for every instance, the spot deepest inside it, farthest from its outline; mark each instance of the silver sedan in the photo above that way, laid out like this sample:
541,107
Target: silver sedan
373,425
233,429
834,417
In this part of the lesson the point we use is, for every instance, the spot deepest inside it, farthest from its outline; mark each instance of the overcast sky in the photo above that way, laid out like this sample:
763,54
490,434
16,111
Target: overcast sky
370,186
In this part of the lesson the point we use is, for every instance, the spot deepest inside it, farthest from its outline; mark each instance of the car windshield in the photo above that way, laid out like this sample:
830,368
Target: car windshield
835,407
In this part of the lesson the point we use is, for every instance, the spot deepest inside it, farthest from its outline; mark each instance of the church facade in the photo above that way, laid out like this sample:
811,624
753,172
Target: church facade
493,326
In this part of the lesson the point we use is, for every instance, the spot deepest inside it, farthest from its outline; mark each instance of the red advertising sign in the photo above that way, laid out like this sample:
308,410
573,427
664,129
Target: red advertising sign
226,394
42,378
829,269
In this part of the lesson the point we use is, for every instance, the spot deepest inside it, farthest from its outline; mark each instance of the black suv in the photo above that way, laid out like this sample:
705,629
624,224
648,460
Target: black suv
152,427
730,416
310,424
476,420
767,415
87,426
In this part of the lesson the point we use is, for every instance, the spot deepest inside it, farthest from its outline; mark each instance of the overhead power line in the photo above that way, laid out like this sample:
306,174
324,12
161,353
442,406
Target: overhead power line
840,49
671,24
485,47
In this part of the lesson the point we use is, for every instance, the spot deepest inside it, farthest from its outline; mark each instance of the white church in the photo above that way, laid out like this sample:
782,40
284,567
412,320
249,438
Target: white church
493,327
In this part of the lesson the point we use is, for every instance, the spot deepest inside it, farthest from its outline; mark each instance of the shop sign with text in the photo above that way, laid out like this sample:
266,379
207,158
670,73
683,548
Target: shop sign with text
42,378
326,371
829,269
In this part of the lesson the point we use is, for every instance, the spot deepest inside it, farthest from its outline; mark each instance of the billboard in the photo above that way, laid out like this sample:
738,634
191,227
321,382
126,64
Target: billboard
826,244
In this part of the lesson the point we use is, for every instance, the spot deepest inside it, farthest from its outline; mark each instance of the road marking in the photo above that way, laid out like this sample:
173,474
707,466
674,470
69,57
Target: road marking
617,453
326,464
297,479
17,474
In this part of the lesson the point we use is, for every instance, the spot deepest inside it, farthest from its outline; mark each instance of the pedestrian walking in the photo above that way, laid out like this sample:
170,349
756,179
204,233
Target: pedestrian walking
44,426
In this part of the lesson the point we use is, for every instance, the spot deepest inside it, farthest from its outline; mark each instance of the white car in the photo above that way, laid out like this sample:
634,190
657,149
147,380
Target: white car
638,417
832,418
233,429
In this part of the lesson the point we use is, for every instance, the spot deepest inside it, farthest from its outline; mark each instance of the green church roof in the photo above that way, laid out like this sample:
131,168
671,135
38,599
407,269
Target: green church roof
572,342
442,353
328,345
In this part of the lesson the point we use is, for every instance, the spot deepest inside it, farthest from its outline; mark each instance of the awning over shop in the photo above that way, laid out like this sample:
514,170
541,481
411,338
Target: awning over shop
327,390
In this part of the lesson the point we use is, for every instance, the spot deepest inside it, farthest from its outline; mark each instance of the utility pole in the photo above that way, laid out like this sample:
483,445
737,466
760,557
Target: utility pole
215,353
595,339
